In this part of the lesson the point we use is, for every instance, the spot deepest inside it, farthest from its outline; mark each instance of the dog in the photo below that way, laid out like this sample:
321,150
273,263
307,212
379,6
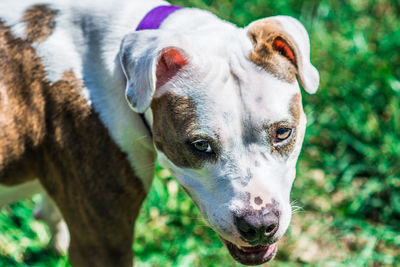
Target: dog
89,99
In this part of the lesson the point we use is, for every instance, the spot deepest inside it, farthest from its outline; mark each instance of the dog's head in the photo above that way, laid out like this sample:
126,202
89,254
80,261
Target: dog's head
228,121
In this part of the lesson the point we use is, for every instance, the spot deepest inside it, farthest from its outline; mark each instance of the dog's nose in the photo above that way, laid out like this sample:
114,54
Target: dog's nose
258,227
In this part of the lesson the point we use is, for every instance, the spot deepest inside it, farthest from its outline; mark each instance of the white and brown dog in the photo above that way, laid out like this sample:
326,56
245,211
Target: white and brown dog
222,111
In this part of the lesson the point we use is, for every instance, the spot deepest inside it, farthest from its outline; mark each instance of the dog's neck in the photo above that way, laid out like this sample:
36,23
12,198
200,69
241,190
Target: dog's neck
100,48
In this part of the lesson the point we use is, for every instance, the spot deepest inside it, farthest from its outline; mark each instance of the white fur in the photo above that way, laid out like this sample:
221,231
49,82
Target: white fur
222,82
11,15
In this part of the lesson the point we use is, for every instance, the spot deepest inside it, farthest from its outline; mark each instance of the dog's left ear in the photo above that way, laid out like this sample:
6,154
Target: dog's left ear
148,62
287,36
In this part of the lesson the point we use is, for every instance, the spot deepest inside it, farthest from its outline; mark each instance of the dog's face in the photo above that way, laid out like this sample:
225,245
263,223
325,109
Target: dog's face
228,122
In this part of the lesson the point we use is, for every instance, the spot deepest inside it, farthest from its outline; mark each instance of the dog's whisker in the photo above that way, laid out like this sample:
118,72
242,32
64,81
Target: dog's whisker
294,202
297,209
295,205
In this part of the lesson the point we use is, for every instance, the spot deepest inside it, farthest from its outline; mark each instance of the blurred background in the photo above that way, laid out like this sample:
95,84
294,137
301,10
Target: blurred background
347,191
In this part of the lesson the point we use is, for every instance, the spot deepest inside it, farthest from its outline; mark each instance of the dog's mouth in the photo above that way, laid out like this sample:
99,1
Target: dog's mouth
254,255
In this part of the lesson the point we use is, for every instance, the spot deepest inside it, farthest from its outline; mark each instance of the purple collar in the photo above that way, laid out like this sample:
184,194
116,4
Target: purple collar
152,21
155,17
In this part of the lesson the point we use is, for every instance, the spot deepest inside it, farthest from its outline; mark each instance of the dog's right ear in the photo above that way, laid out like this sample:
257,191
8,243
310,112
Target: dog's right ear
148,64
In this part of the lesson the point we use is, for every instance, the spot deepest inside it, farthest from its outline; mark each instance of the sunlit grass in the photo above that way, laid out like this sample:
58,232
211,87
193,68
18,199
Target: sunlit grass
346,197
171,232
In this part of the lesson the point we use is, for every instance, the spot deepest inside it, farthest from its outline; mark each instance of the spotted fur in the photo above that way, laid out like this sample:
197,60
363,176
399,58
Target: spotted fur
40,22
48,131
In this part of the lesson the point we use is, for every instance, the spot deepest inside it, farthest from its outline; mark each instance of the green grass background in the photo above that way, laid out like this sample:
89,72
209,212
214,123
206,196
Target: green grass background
348,185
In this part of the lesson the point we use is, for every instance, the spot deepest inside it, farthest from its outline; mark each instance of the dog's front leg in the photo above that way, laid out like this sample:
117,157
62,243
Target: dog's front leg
99,202
101,232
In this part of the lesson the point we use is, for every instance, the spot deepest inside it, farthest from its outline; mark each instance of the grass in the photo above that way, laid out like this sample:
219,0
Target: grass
348,185
171,232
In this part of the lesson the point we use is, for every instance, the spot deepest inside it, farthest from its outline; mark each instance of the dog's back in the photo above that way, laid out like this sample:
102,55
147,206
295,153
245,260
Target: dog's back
49,130
22,109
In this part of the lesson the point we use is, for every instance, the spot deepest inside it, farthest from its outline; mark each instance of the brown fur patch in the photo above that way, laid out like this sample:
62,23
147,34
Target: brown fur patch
90,179
286,147
174,121
296,108
48,131
264,55
22,111
39,21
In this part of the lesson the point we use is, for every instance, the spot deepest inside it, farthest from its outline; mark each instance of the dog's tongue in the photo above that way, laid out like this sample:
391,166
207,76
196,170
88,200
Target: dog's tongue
254,249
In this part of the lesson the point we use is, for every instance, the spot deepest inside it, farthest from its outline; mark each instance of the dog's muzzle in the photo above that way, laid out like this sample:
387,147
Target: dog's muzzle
258,229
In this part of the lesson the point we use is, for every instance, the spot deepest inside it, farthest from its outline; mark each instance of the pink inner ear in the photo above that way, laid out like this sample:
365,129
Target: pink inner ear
282,47
169,63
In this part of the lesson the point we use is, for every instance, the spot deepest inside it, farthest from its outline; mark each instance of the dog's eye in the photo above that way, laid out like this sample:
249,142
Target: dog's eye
283,134
202,146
